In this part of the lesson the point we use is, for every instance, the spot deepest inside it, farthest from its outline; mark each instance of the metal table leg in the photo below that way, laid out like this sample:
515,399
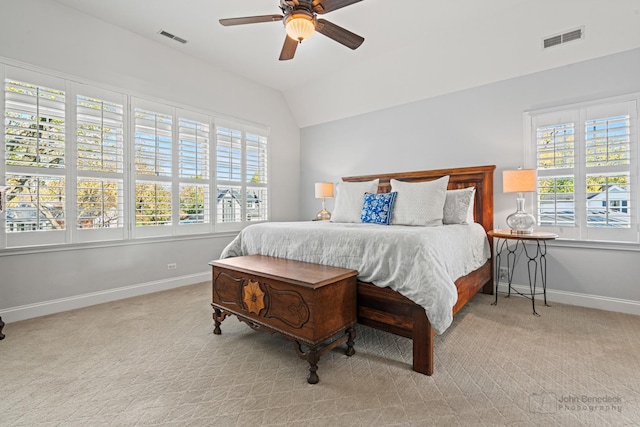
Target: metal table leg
502,245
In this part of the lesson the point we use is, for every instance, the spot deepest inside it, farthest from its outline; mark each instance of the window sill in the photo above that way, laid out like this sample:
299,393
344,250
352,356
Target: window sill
24,250
599,245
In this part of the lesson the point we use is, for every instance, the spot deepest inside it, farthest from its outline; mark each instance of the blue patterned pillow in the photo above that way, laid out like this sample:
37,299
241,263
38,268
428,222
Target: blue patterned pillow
377,208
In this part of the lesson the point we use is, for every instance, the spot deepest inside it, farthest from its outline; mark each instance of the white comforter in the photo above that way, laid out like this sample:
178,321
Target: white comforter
421,263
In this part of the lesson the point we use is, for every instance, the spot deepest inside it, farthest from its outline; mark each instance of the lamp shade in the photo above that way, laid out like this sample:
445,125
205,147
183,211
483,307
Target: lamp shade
519,181
300,26
324,189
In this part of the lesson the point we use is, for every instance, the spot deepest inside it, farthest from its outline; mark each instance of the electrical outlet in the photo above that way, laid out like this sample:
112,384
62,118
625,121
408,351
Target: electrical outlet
504,273
172,266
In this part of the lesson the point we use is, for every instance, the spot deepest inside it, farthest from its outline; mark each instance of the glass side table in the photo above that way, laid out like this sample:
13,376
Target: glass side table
536,260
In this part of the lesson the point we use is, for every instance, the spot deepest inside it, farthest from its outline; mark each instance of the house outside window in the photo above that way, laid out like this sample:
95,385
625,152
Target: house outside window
586,157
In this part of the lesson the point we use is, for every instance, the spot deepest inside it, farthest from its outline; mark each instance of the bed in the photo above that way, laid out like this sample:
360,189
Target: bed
380,306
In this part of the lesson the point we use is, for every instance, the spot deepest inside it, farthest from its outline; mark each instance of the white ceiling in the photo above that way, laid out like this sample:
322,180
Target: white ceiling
413,49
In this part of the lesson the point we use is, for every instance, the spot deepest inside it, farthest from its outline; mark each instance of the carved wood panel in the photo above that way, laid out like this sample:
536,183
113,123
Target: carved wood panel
228,289
288,307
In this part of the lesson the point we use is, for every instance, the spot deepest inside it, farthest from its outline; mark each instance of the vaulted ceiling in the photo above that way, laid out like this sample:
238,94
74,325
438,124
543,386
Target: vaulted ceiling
413,49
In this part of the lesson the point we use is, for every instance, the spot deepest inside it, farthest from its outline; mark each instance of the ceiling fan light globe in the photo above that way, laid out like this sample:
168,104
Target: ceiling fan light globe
300,26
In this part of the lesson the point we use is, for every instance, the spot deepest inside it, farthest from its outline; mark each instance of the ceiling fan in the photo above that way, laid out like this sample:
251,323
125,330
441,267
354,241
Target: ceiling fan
300,21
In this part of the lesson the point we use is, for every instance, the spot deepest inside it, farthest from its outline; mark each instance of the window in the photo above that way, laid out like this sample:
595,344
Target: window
256,176
153,145
241,171
193,170
82,164
35,164
586,158
100,164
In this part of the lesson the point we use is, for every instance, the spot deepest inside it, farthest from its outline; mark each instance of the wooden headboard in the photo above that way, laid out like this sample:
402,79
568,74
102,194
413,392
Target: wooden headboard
480,177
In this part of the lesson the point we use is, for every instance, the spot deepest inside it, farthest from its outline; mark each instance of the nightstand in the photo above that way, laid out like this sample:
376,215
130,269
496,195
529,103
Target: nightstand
536,254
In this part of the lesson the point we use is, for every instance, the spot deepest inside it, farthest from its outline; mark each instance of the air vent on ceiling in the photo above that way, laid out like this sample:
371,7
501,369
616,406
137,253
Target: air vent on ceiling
559,39
171,36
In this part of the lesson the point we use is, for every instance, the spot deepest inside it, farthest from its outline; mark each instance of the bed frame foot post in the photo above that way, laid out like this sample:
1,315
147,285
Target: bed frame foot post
488,288
423,336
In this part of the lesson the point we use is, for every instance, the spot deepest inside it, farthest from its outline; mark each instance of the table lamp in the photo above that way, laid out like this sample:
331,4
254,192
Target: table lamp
520,181
324,190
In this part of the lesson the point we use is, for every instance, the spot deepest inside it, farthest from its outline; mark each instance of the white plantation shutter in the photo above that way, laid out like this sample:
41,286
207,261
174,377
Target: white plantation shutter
153,167
228,154
153,143
100,164
610,162
35,203
229,204
34,125
587,163
100,139
556,201
194,204
35,159
257,204
193,149
256,175
608,141
82,163
194,158
153,203
555,146
256,158
100,203
241,175
229,199
555,160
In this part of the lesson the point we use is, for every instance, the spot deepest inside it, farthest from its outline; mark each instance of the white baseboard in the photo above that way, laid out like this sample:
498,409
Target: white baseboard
583,300
29,311
24,312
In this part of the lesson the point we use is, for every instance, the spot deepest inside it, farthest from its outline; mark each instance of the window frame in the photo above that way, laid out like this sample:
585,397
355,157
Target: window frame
166,178
206,182
37,237
72,235
579,114
116,233
242,184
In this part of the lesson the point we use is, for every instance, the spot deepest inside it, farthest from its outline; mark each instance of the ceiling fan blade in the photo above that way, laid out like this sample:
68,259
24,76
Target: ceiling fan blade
288,49
250,20
325,6
339,34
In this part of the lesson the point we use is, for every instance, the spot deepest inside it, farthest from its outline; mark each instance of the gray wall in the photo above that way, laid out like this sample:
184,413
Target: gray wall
80,47
479,126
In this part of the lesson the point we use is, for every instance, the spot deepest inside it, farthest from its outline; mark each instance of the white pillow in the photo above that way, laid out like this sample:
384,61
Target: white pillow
458,206
419,203
350,198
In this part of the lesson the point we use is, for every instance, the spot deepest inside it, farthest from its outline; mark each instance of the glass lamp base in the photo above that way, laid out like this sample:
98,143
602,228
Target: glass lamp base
323,215
521,222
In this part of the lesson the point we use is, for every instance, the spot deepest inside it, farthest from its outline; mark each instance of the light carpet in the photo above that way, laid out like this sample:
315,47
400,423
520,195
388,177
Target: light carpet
153,360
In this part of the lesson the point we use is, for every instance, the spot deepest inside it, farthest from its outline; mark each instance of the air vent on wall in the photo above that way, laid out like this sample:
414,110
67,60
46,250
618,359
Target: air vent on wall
559,39
171,36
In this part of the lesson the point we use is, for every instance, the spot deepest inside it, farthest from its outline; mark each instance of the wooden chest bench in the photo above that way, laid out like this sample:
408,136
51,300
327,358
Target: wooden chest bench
307,303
